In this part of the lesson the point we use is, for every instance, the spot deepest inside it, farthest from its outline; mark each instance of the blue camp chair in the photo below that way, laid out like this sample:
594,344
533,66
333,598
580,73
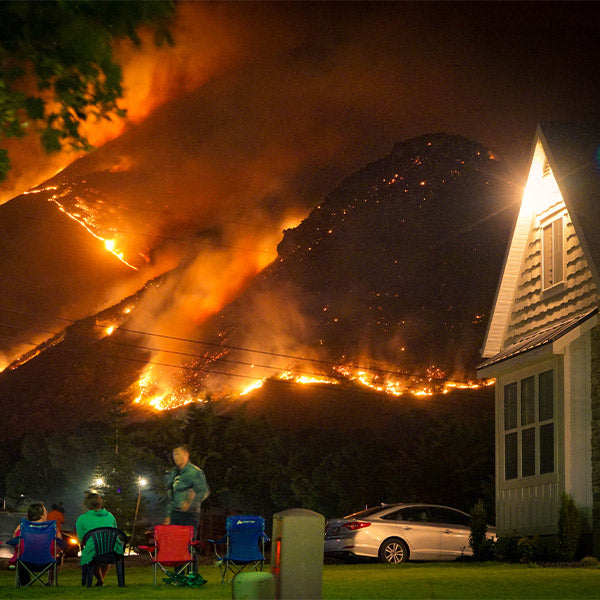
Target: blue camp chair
109,547
244,543
38,550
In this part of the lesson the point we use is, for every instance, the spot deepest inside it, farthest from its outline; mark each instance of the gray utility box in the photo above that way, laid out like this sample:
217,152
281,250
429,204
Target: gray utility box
297,554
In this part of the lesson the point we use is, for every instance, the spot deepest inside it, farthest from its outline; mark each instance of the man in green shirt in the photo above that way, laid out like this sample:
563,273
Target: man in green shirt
186,488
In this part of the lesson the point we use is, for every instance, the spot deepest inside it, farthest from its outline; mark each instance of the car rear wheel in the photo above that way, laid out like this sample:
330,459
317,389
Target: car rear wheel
393,551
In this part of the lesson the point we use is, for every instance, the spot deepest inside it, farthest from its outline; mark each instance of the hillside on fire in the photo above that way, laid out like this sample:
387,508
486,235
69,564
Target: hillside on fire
385,285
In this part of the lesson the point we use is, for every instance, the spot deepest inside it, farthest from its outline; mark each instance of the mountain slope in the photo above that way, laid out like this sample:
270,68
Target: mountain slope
397,266
395,270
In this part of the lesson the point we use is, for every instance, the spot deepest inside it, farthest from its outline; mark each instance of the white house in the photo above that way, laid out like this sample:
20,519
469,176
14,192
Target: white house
543,341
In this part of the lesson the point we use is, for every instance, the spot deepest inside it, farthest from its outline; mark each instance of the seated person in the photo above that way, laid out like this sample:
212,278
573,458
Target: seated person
57,515
36,513
95,517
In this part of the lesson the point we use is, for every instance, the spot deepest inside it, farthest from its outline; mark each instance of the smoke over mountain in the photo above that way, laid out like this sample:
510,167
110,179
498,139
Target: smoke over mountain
386,282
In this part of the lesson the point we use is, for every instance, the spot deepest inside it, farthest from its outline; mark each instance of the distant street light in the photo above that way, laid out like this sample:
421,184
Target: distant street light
141,483
98,482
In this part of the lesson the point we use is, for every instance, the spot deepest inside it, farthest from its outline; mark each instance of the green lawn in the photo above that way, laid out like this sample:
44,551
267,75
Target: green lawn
351,582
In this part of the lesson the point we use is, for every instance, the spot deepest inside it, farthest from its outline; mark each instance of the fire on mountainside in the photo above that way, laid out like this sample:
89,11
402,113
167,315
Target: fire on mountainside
149,392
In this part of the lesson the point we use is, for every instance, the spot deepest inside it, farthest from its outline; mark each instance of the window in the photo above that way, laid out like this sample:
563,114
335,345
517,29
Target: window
529,426
415,513
552,253
439,514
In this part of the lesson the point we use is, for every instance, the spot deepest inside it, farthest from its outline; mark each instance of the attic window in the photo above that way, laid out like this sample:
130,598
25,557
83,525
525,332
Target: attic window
552,253
546,169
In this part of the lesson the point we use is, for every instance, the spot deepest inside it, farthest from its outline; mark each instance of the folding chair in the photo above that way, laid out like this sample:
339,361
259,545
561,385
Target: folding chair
109,547
244,540
37,552
174,546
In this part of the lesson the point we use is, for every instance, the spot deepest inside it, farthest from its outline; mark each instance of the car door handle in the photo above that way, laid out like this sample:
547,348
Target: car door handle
447,531
407,528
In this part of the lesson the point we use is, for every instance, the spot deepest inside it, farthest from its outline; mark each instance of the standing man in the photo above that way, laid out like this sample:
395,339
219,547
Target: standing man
186,488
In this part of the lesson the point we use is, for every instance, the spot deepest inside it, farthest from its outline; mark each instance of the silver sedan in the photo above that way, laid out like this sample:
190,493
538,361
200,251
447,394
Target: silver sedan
396,532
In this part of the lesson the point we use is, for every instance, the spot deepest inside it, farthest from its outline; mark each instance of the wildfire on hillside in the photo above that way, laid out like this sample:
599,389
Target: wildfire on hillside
148,392
88,216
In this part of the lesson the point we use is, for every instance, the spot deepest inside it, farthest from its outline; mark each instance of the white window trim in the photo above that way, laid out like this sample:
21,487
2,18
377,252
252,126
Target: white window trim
517,377
548,220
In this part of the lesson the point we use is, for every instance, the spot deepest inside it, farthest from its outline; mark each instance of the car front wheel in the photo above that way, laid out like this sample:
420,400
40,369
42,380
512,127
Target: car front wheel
393,551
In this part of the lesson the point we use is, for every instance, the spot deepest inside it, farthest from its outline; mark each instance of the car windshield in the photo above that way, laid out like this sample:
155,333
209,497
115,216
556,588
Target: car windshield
367,512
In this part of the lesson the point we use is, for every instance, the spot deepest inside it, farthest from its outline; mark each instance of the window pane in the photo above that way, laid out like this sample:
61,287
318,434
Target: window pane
510,455
547,255
510,406
546,382
415,513
527,400
528,452
557,258
547,448
449,516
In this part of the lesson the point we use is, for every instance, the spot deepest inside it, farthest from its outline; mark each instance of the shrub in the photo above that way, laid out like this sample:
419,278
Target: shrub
483,548
527,549
589,561
569,528
506,549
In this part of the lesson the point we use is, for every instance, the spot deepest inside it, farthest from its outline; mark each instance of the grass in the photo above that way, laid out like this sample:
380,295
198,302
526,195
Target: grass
349,582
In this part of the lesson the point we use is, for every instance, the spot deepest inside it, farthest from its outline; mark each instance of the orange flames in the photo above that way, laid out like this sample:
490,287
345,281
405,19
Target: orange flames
150,393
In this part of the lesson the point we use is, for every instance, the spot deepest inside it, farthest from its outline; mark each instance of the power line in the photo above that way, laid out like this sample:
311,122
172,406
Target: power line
329,363
193,368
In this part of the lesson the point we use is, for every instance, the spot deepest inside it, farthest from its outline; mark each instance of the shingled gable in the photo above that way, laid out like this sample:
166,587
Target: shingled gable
543,342
573,154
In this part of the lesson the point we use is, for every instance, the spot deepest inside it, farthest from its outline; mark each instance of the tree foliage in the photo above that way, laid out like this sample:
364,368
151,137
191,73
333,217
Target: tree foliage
256,468
57,68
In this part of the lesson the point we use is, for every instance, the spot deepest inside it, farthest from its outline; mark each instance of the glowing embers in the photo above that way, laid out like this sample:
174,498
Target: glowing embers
85,212
155,395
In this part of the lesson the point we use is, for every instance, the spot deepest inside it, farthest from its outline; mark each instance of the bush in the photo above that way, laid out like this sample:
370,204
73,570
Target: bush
483,547
569,528
506,549
527,549
589,561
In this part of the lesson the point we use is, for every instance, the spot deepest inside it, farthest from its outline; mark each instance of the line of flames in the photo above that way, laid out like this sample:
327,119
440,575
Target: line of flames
147,387
109,244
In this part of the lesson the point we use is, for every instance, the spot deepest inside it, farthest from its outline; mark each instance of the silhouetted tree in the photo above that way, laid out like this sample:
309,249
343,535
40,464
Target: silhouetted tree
57,68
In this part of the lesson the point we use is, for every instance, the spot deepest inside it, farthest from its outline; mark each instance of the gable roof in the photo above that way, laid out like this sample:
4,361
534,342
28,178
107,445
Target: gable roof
539,338
573,153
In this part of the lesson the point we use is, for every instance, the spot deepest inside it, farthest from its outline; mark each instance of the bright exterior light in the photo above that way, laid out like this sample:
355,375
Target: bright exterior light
98,482
142,482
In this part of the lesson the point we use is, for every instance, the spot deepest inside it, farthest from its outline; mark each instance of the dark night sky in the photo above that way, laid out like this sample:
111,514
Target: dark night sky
260,109
334,85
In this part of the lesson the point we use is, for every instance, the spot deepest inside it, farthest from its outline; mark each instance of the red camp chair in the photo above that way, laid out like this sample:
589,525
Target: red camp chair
174,546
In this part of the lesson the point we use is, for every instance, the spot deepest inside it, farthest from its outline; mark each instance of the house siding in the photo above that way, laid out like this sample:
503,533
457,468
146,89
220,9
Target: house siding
530,505
595,437
534,309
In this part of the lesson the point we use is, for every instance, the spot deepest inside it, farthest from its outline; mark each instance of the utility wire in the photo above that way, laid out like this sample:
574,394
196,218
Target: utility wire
328,363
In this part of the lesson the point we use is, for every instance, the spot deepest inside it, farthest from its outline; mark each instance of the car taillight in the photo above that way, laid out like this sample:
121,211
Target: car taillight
356,525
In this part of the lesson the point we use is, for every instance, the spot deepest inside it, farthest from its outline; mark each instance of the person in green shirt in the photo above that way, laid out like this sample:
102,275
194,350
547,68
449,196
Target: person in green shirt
95,517
186,488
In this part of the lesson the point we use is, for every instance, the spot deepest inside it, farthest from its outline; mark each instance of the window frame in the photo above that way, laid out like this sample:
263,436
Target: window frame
529,447
553,259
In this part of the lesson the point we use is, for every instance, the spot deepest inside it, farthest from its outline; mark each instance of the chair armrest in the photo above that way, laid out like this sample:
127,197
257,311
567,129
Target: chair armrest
221,540
147,548
265,537
13,541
